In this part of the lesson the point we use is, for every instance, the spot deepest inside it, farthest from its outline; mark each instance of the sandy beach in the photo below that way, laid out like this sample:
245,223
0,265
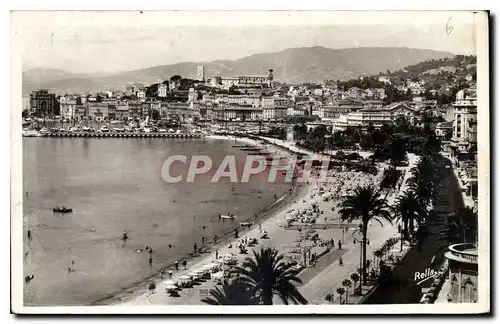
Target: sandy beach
318,278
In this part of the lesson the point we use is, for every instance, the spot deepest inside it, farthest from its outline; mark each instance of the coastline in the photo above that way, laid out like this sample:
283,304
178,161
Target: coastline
269,214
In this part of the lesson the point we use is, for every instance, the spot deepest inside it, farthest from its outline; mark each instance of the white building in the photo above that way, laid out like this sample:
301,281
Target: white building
162,90
464,120
141,94
200,73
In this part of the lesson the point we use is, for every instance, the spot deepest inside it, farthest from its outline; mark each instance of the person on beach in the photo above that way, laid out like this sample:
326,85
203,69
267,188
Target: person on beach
29,235
215,238
69,269
184,263
216,254
236,233
125,235
340,245
203,227
195,247
260,228
150,260
170,246
341,262
176,265
202,239
150,251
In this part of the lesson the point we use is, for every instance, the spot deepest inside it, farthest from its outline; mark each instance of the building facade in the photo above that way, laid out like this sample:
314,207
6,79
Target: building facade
464,120
162,90
43,103
463,272
200,73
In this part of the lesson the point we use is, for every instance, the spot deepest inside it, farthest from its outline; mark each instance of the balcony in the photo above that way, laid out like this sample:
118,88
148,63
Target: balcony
462,252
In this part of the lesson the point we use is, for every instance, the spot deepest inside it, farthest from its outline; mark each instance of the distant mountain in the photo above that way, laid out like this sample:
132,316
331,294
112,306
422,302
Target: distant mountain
294,65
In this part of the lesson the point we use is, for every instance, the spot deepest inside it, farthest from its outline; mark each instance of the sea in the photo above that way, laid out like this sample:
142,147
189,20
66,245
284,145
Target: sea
116,185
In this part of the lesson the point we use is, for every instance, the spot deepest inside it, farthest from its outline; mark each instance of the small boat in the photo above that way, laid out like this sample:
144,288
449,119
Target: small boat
62,209
30,133
227,216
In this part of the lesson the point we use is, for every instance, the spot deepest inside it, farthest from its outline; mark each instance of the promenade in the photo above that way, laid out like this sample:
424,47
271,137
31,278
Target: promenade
430,255
318,280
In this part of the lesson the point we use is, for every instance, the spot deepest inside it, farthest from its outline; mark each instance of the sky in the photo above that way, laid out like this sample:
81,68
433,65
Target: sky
90,42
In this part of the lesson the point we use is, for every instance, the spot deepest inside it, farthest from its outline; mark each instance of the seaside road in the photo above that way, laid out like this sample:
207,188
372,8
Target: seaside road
328,275
449,199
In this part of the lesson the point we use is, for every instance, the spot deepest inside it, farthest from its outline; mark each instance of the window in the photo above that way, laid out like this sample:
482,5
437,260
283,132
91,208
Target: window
468,292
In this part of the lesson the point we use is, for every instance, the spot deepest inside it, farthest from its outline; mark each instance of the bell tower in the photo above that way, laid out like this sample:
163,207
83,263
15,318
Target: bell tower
270,78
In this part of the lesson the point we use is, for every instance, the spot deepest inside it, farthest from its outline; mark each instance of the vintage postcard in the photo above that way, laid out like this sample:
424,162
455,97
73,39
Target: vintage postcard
274,162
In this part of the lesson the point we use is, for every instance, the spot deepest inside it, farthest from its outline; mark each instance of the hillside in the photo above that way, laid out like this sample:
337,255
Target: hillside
438,74
294,65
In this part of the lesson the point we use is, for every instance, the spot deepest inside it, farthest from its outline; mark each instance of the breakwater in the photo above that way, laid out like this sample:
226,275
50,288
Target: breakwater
123,135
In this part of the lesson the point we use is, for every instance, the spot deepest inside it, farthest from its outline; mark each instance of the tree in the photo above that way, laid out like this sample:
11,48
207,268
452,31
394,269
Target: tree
152,90
366,204
300,131
155,114
329,298
423,180
461,227
468,219
347,284
269,275
379,254
407,209
233,292
397,151
176,78
355,278
341,292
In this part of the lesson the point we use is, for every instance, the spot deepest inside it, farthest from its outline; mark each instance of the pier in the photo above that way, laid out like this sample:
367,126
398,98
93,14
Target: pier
123,135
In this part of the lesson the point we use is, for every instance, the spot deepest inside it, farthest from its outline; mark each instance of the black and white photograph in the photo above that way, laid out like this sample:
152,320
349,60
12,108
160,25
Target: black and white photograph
309,162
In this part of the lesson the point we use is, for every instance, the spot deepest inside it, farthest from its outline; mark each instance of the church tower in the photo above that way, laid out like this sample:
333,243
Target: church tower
270,78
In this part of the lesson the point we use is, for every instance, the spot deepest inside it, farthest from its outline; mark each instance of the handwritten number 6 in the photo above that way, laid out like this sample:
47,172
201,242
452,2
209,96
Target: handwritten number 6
449,27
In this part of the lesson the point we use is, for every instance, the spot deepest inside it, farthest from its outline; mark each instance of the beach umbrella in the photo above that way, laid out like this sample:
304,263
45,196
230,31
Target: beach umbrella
194,274
218,275
171,287
213,265
169,283
206,268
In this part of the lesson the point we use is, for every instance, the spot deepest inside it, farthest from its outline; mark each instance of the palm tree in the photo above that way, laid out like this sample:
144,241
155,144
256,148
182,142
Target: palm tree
355,278
233,292
378,254
423,179
347,284
340,291
461,227
329,298
366,204
407,209
269,275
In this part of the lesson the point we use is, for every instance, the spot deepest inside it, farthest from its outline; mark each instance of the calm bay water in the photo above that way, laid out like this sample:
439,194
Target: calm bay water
115,185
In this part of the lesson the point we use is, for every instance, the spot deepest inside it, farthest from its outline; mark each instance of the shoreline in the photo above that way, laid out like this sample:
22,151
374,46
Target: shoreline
266,214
